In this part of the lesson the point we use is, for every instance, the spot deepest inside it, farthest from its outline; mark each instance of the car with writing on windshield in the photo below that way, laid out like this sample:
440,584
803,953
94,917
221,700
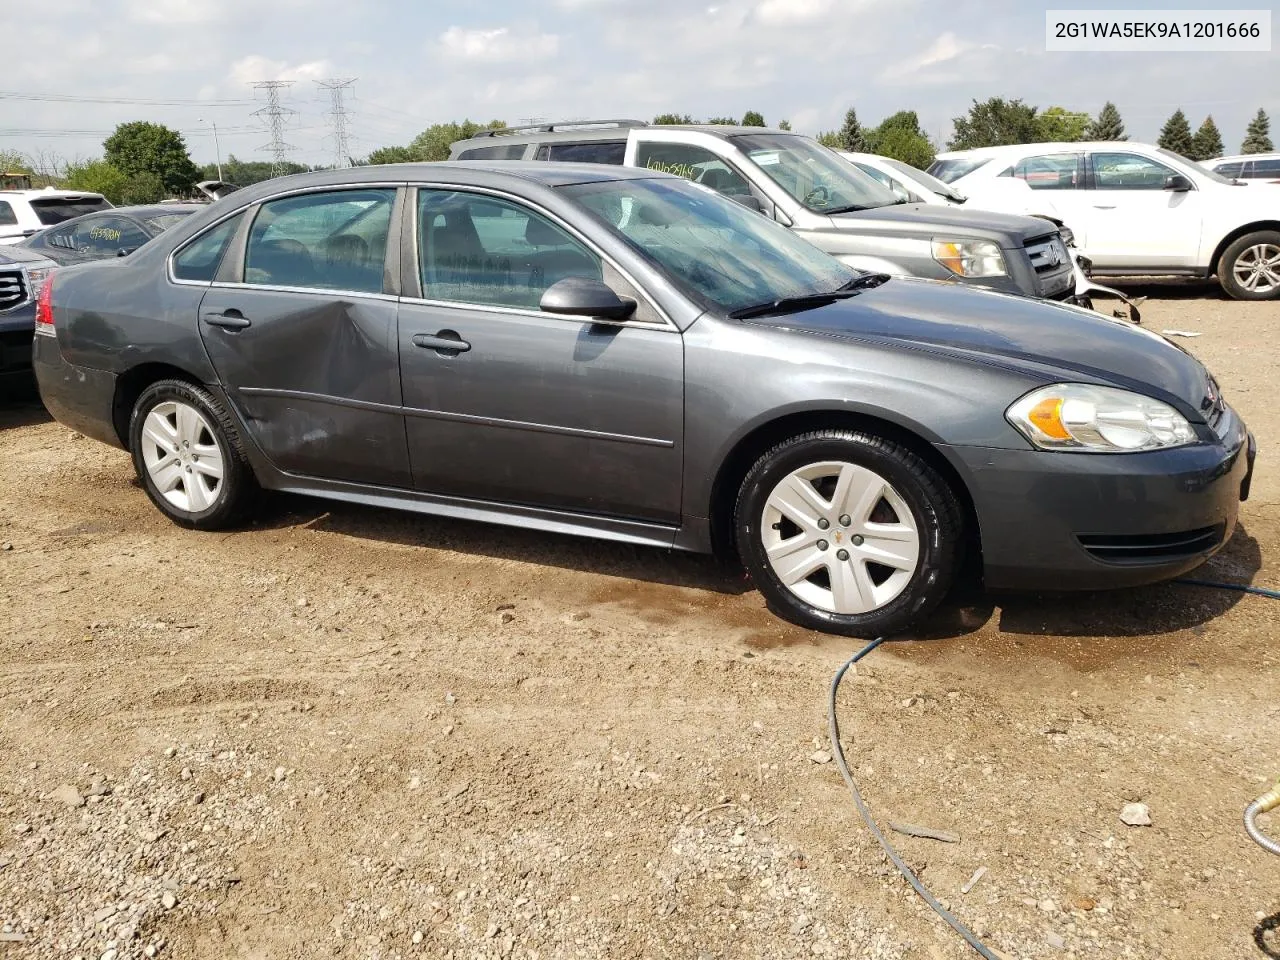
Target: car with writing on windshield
624,354
799,183
109,234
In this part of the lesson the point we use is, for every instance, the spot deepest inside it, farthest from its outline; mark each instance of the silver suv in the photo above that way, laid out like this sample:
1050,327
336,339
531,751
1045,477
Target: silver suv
800,183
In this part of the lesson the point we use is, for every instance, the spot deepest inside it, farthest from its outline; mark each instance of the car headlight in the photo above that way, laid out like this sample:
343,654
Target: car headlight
36,277
1081,418
970,258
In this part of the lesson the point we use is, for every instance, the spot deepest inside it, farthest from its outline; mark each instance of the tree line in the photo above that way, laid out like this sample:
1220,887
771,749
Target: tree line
146,162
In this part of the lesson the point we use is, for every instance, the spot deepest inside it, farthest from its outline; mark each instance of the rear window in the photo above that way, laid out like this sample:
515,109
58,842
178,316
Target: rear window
7,217
597,151
57,209
163,221
502,151
949,171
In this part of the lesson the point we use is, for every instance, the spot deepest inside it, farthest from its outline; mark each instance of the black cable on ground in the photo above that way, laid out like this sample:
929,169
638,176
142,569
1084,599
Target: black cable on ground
1241,587
858,802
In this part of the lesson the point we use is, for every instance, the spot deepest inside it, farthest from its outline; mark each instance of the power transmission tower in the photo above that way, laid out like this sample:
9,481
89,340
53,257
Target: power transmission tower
338,88
275,115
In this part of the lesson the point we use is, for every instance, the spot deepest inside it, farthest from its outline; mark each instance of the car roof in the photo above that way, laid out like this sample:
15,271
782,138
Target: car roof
1245,156
1023,149
49,192
151,209
462,172
588,133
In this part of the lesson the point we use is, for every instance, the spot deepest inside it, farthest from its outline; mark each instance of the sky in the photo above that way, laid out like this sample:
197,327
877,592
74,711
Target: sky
190,64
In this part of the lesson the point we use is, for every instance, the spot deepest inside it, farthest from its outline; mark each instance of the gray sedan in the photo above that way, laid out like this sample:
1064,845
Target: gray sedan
624,354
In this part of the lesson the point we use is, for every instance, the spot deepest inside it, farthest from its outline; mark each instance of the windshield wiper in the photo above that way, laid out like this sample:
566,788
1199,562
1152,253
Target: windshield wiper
809,300
847,209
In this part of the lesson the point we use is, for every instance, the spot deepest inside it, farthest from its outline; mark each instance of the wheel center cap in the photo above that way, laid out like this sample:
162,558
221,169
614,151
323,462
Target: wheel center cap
839,537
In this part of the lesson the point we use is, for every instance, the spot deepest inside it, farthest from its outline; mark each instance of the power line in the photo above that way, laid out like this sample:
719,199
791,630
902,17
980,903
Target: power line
275,114
338,88
143,102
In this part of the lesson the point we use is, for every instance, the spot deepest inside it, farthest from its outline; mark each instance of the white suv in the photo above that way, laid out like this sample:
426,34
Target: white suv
24,212
1142,210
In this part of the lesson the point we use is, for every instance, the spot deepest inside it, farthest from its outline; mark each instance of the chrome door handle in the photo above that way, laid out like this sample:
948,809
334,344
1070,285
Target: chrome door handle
447,343
228,319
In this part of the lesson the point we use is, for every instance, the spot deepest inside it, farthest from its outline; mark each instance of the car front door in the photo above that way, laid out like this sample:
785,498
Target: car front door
507,403
301,328
1134,221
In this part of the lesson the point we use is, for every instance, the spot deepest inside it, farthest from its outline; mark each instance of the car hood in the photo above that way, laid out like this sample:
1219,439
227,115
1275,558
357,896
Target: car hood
930,217
1048,341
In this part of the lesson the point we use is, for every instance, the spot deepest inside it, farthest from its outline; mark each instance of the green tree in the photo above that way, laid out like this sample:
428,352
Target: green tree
244,173
11,161
434,142
97,176
670,118
1175,135
140,148
900,136
144,187
723,122
1257,138
830,138
391,155
995,122
784,124
1207,143
1059,125
852,136
752,119
1107,125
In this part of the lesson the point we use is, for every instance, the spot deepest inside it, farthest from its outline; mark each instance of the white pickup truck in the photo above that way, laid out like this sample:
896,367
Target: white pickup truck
1140,210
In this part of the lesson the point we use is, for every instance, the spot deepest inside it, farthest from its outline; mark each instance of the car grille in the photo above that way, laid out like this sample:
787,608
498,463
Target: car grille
1048,254
1142,548
13,289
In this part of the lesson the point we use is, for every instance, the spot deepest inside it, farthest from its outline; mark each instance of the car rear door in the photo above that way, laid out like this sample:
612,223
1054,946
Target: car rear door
301,328
506,403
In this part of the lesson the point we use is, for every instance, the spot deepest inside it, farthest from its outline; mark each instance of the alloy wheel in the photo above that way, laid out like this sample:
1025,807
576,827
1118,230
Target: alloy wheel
182,456
1257,268
840,537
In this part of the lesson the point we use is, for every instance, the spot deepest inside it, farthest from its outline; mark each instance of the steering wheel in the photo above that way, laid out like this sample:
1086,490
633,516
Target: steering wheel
819,196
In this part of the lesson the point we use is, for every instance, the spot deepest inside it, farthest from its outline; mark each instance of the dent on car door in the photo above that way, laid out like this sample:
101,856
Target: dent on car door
532,408
304,337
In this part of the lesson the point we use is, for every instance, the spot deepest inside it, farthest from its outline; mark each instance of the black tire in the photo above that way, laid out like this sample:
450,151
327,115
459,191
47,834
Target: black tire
236,492
934,509
1227,266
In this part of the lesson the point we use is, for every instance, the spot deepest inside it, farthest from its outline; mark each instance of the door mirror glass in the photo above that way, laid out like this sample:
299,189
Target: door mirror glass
585,297
750,202
1177,181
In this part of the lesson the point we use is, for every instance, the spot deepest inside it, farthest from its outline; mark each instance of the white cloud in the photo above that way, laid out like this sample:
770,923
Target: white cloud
256,67
940,62
497,45
779,12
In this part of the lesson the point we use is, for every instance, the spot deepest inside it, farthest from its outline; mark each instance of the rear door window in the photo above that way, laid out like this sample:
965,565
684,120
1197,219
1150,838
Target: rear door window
1264,169
1055,172
331,241
595,151
199,260
101,237
53,210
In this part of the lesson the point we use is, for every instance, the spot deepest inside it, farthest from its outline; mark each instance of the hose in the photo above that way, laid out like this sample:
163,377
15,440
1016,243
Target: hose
1268,801
838,753
1240,587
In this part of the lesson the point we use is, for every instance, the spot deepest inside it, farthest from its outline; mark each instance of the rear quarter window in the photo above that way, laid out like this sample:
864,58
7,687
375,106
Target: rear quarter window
7,217
200,258
502,151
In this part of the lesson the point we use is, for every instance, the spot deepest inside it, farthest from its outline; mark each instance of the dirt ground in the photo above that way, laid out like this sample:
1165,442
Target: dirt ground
350,732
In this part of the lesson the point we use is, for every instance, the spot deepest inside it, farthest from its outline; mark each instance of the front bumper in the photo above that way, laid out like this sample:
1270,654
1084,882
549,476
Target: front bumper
1074,521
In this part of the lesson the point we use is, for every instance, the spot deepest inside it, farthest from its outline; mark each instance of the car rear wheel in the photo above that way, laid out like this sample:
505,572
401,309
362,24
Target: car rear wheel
847,532
1250,267
188,456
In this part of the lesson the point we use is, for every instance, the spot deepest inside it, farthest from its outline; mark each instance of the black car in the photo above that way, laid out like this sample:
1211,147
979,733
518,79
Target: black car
110,233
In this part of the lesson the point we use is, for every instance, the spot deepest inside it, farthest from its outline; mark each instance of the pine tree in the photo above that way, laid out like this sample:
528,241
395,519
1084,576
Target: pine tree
752,118
852,137
1207,143
1175,135
1107,125
1258,137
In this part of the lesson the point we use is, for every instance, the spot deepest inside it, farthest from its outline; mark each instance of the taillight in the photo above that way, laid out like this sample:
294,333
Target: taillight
44,308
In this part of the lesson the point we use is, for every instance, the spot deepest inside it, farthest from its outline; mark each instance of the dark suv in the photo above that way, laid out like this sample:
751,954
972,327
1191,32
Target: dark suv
827,200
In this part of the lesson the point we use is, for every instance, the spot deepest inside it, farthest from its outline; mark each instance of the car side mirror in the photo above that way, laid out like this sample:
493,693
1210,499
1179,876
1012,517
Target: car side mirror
1176,181
585,297
748,201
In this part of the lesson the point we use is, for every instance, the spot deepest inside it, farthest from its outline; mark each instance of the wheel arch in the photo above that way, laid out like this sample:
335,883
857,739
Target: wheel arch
131,384
752,445
1215,262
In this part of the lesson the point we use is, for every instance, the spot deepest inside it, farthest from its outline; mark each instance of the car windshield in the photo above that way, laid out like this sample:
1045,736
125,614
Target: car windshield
723,255
1189,166
924,179
949,171
818,178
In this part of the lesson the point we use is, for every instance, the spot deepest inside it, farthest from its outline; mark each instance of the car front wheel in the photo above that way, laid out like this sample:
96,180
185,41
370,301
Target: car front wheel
1250,267
188,456
848,532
